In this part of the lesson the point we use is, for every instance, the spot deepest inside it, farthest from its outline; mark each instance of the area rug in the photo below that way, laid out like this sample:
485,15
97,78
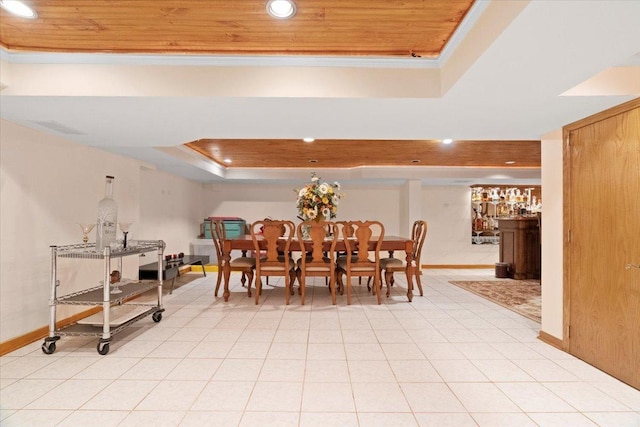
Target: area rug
520,296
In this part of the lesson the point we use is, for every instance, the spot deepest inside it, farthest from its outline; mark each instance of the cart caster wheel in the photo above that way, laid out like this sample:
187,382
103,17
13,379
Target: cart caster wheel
48,347
157,316
103,348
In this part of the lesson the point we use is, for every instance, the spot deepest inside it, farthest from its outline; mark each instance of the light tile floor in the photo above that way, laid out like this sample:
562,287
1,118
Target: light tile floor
449,358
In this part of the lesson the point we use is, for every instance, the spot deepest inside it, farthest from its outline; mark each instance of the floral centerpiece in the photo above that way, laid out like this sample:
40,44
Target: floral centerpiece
318,200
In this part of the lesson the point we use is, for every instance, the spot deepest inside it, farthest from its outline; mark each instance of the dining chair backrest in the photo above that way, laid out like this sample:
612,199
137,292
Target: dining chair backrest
366,237
218,235
321,241
277,236
418,235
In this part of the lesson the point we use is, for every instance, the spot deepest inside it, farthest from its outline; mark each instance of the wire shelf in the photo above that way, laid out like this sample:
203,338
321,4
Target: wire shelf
88,251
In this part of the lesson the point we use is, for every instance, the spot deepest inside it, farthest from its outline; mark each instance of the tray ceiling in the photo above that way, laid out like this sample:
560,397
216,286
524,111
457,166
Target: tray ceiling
328,27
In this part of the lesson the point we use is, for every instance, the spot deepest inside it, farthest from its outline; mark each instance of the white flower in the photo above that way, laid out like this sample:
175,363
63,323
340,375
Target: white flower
323,188
326,212
336,185
302,192
335,200
315,179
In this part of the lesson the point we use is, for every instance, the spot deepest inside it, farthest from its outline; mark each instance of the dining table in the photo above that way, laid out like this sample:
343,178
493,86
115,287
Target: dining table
389,243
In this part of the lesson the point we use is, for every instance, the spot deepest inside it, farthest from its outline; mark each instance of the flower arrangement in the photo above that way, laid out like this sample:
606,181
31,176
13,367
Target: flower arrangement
318,200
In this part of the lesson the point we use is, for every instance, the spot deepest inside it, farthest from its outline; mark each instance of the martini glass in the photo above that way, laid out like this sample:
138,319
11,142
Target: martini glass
86,229
124,227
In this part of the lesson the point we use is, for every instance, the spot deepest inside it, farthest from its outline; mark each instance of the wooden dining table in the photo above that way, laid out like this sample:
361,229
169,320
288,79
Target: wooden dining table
389,243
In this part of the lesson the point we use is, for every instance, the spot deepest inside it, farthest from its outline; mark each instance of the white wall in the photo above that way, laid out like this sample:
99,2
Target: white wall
171,209
47,186
447,210
552,232
257,201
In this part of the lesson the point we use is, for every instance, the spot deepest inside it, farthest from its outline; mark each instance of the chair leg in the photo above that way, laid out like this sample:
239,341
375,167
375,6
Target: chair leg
287,289
368,283
388,277
299,277
302,288
348,289
243,279
419,283
250,278
339,282
332,287
377,284
292,281
258,288
218,281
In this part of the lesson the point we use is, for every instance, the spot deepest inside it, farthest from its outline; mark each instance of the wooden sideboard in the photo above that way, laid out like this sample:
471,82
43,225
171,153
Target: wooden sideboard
520,246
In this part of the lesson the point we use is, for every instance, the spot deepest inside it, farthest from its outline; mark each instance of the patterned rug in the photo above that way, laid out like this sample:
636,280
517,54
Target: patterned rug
520,296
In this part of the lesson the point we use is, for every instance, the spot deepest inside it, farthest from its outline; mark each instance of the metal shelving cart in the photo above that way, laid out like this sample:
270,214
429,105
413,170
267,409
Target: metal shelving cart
103,295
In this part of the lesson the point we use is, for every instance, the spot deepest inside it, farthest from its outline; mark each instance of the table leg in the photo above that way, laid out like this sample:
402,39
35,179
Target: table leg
227,272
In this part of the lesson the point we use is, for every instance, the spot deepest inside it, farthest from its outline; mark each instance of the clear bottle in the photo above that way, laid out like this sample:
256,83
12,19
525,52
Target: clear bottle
107,217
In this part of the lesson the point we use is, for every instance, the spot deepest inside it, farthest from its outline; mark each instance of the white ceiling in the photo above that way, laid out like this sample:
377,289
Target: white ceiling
503,77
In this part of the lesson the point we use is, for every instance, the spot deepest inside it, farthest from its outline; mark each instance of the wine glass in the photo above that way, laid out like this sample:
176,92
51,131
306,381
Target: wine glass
124,227
86,229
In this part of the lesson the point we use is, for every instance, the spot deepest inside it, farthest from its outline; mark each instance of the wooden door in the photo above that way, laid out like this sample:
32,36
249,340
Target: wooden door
602,227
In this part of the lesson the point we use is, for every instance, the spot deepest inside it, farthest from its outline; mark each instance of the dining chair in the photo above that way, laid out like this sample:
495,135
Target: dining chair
392,265
318,254
363,243
243,264
274,239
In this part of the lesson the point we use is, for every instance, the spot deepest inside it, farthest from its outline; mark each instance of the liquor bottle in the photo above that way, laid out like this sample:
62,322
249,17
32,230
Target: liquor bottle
107,217
477,225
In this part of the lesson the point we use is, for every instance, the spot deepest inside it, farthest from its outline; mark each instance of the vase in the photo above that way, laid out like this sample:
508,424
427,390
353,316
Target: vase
305,232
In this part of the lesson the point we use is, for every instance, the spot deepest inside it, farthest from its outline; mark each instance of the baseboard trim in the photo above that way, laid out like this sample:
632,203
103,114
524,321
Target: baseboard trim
550,339
40,333
453,266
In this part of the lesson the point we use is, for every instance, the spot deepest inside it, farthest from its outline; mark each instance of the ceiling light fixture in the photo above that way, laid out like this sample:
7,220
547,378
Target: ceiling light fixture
447,141
18,8
313,161
308,139
281,9
510,162
227,160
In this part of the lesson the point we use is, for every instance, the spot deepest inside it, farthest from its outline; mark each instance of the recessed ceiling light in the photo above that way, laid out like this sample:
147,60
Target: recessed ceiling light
227,160
415,161
308,139
18,8
447,141
313,161
281,9
510,162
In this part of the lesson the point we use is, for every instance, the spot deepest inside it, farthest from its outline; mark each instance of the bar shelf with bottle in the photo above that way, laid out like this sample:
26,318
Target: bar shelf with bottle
490,203
119,308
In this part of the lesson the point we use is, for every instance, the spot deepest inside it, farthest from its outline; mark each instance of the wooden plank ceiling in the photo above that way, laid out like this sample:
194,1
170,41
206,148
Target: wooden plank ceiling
353,153
396,28
391,28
